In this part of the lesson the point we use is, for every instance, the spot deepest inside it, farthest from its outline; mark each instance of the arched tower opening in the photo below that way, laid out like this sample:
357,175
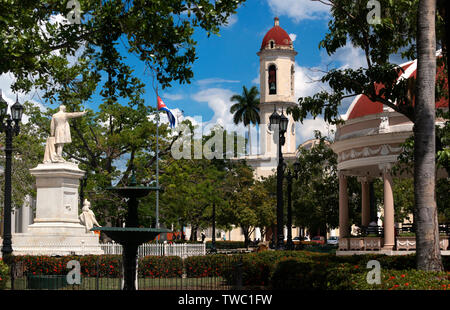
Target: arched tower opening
272,79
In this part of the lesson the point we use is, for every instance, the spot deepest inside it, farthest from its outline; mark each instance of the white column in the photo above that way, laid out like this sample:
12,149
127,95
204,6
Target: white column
389,229
343,206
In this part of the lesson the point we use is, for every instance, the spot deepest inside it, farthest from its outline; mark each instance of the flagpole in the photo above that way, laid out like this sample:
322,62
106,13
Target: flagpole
157,169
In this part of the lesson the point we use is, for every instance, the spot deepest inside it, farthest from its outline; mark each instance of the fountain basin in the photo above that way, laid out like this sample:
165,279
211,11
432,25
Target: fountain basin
134,235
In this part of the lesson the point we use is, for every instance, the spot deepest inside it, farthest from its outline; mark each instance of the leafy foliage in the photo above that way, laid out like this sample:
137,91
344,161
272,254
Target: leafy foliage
4,274
316,190
160,267
160,34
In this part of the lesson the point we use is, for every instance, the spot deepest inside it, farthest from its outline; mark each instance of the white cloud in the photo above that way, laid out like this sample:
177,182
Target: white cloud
231,21
209,81
173,96
306,130
257,79
347,56
6,80
306,81
218,100
299,9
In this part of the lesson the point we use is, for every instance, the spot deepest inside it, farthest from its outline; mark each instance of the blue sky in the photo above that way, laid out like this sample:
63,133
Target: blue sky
227,62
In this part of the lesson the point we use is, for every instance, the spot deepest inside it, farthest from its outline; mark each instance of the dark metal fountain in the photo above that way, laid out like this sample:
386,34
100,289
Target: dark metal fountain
131,236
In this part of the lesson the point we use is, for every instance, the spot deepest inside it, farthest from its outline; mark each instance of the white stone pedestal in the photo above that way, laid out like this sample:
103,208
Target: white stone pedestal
56,229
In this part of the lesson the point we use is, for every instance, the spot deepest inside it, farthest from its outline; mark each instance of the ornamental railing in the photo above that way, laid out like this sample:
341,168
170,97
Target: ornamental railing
161,249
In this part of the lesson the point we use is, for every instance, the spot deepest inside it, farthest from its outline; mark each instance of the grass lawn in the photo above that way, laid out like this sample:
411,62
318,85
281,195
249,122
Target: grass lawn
143,284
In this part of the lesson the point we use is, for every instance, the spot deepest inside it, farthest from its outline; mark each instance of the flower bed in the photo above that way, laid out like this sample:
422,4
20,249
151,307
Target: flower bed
268,269
207,266
91,265
404,280
4,274
160,267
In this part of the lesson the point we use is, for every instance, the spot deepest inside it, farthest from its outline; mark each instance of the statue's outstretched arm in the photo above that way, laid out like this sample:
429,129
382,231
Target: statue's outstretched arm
75,114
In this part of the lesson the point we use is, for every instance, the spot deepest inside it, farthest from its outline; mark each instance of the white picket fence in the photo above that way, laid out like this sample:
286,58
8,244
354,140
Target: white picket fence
161,249
182,250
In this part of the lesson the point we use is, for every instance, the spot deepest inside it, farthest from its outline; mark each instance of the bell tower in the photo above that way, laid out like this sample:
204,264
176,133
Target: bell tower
277,92
277,84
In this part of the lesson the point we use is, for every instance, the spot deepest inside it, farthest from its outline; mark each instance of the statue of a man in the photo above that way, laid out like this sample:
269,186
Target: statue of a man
87,217
59,134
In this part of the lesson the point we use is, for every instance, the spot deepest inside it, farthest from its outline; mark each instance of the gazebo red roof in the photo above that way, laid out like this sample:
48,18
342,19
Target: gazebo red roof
363,106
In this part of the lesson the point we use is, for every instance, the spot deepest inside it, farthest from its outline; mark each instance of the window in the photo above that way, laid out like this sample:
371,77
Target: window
271,44
272,80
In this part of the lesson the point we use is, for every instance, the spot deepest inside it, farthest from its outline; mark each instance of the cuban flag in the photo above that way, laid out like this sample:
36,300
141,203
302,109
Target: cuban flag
162,107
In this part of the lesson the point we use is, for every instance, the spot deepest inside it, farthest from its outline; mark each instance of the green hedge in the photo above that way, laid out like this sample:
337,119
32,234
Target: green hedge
4,274
294,269
292,273
350,273
160,267
91,265
404,280
226,245
275,269
102,265
207,266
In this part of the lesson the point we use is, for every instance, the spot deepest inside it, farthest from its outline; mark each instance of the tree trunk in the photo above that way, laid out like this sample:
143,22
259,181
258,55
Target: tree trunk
246,236
428,253
193,236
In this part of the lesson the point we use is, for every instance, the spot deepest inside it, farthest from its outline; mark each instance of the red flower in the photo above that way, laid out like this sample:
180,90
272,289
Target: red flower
402,275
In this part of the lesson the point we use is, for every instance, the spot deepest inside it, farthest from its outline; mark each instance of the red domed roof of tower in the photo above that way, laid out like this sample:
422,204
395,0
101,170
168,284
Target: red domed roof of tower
363,106
278,35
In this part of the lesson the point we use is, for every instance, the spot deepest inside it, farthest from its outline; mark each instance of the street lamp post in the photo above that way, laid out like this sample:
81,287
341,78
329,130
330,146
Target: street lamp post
280,121
213,240
10,130
290,176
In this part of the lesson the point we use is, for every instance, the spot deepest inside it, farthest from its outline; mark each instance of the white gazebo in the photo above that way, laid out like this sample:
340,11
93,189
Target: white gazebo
367,145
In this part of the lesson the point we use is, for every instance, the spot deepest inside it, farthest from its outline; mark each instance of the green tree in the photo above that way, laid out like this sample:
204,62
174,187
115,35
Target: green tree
401,26
160,33
193,185
428,251
45,54
28,152
316,190
249,204
246,109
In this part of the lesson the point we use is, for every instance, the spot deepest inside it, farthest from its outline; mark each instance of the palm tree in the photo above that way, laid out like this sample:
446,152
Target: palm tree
246,109
427,234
